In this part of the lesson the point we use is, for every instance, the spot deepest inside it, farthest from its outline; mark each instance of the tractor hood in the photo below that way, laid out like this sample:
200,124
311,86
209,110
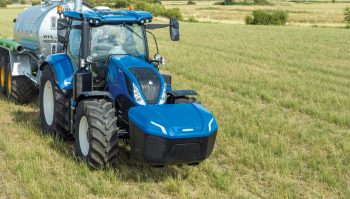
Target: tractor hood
174,120
129,61
143,77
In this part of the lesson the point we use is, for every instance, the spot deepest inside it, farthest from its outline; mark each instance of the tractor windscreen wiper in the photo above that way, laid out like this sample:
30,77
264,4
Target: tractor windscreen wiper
132,30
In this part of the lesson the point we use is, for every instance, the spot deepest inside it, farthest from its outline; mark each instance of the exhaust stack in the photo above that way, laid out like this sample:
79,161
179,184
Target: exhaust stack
78,5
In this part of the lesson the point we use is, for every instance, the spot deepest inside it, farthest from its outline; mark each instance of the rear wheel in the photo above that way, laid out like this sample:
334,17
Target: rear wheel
2,75
19,88
96,139
54,111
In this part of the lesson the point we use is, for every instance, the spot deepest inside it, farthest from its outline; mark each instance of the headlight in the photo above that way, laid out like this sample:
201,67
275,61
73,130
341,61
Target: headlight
210,124
137,95
164,96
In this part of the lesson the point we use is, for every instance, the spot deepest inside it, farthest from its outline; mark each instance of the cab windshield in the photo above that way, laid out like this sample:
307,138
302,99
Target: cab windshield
122,39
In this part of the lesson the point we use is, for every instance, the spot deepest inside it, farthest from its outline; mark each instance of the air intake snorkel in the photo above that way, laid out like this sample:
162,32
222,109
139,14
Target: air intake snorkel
83,77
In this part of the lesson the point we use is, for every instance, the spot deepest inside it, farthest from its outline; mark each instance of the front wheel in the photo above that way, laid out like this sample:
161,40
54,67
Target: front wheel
54,107
96,139
47,101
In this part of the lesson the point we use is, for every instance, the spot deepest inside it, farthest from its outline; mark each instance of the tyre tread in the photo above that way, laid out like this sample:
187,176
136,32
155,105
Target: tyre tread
103,132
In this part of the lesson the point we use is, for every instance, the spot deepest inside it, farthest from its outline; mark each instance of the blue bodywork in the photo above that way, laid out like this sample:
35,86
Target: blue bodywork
63,69
168,121
112,17
119,67
174,121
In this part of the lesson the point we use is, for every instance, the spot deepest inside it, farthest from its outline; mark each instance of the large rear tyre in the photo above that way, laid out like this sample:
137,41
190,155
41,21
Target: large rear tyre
2,75
19,88
4,59
54,108
96,139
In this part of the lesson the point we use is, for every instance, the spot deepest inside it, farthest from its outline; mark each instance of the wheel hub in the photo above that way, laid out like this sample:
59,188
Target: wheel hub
83,136
2,76
48,102
9,82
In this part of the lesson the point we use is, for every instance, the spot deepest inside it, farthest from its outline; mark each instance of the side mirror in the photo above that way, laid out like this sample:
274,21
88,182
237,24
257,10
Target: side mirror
174,29
62,30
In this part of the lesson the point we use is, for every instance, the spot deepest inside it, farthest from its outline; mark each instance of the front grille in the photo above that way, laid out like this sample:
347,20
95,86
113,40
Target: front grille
149,83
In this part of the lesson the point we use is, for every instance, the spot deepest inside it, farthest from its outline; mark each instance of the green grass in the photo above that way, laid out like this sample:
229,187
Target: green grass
281,97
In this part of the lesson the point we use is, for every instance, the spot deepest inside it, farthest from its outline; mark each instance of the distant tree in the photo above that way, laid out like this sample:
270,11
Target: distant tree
228,2
4,3
23,2
347,17
34,3
191,2
121,3
225,2
263,17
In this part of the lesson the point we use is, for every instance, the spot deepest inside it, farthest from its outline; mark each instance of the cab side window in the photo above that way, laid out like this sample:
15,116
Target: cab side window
74,43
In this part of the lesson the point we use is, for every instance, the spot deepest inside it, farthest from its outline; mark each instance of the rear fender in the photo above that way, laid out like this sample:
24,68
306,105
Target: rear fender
63,69
21,64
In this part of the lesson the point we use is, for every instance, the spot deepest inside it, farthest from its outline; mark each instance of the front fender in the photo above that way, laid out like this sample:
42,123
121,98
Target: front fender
63,69
182,93
96,95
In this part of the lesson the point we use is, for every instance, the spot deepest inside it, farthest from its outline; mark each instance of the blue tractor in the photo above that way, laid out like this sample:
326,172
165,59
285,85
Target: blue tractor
103,87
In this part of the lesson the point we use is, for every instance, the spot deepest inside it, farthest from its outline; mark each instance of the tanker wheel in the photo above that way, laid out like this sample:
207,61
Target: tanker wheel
96,139
19,88
2,77
53,107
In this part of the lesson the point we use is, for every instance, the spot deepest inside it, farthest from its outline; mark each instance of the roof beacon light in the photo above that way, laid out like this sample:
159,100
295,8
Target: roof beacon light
59,9
131,7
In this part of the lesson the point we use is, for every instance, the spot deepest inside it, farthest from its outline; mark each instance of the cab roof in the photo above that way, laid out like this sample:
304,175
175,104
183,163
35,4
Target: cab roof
113,16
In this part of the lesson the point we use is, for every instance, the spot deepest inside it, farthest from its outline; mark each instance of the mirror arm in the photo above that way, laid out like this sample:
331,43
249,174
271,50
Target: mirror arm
155,40
156,26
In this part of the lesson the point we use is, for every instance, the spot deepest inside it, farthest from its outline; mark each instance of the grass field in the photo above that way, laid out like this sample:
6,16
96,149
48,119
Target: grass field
281,97
300,13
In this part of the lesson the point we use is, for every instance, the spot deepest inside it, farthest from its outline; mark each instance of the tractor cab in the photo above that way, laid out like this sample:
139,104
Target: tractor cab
106,34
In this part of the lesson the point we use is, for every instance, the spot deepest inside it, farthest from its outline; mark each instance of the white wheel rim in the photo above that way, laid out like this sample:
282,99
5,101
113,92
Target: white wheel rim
83,136
48,103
